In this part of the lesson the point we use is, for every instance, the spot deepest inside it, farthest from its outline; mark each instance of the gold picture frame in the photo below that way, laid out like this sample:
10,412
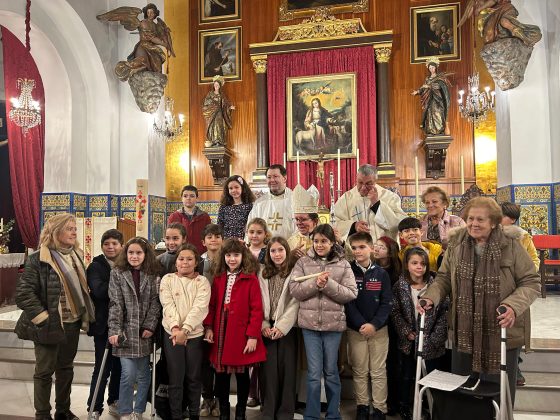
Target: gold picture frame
426,37
290,9
211,11
219,53
321,116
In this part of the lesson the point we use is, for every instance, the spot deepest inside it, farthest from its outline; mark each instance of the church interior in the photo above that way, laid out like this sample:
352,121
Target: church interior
101,140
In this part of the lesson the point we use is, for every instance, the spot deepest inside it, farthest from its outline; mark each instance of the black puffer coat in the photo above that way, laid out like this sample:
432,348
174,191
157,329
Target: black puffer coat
38,295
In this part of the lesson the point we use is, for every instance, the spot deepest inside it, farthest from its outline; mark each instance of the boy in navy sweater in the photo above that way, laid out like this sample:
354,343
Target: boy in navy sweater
368,338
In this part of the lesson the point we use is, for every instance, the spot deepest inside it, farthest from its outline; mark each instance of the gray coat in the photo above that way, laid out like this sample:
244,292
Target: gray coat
323,310
130,315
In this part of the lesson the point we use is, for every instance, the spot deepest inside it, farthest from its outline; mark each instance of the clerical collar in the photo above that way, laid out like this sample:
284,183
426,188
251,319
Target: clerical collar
278,194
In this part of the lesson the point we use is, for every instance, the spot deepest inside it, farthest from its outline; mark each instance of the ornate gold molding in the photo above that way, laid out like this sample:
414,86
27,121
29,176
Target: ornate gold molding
321,25
259,63
383,54
356,6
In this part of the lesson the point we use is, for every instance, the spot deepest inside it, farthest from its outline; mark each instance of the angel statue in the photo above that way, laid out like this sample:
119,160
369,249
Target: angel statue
435,99
143,67
508,43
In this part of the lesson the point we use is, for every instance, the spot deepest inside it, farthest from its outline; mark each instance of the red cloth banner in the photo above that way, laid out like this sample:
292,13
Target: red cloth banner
26,152
358,60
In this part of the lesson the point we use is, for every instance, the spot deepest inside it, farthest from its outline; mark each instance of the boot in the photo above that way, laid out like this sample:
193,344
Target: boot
224,411
194,417
362,412
240,413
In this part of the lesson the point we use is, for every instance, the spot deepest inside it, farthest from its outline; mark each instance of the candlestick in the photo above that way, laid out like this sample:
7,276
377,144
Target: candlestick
338,167
193,180
284,158
462,175
416,184
297,163
357,158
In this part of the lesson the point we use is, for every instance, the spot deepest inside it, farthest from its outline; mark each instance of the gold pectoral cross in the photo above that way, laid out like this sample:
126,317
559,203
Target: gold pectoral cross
275,221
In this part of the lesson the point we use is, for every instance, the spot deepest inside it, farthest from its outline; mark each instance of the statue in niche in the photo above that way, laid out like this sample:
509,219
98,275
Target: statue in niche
143,67
435,100
508,43
216,110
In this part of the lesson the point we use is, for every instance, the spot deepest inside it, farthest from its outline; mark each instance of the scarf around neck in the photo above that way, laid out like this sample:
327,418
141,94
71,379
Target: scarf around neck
478,282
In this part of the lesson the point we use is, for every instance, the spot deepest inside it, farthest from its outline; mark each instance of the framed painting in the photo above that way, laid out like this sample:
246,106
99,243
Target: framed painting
321,116
291,9
219,54
434,32
219,10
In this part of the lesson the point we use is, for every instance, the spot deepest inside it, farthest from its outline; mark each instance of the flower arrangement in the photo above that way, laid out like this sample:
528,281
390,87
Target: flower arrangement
5,230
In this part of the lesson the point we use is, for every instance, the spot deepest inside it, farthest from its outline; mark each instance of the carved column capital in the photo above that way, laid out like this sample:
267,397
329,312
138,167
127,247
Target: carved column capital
259,63
382,54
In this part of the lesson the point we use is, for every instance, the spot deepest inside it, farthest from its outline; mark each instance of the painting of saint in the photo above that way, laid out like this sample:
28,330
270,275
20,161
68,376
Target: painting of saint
220,54
321,116
219,10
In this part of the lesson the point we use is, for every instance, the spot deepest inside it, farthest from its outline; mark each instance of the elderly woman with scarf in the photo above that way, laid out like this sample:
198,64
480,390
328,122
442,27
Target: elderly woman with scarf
53,294
485,266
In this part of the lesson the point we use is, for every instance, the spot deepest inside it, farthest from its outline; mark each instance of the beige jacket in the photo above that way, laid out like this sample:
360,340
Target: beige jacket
286,311
185,303
519,281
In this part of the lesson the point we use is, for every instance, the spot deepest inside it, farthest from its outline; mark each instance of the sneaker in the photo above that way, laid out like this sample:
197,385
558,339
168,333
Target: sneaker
113,409
252,402
377,414
136,416
520,381
215,408
68,415
206,407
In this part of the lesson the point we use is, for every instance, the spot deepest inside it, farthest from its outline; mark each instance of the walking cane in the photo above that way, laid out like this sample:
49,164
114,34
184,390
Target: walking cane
99,376
503,373
416,407
153,405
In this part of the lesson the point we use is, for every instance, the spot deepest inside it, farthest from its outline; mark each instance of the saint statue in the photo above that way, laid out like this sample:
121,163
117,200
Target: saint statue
497,19
154,34
435,100
216,110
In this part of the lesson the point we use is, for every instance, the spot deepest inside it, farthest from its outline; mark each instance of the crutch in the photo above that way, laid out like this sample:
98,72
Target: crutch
99,376
153,405
416,412
503,373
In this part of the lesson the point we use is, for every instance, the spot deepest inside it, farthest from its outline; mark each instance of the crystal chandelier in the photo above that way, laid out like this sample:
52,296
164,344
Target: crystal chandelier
169,128
476,105
25,112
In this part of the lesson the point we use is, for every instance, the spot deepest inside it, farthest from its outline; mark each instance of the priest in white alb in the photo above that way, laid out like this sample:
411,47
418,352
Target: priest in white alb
368,207
275,207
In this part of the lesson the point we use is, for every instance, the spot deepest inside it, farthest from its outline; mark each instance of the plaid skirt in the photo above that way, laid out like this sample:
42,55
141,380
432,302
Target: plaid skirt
218,367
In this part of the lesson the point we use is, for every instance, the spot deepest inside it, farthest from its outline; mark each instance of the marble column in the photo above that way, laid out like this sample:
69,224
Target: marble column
386,169
259,65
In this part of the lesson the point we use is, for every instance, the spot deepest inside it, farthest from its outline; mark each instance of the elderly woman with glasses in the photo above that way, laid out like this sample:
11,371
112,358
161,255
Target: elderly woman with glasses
54,296
437,223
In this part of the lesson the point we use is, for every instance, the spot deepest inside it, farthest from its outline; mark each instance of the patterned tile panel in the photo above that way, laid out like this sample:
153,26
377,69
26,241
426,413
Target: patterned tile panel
55,201
158,203
503,194
532,193
99,203
535,218
79,203
157,231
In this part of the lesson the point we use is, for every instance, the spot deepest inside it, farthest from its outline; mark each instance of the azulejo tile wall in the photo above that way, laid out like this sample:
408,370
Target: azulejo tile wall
539,205
105,205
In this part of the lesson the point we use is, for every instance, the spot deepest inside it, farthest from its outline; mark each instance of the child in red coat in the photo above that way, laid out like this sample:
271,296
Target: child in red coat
234,323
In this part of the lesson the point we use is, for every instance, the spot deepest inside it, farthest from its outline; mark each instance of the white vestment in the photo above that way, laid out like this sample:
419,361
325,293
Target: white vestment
277,211
352,207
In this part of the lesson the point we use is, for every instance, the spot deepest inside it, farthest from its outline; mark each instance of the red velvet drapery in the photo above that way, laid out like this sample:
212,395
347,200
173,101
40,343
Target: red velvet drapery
359,60
26,152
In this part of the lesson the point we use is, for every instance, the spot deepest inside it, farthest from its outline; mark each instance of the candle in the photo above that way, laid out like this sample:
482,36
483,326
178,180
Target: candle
2,224
297,164
338,167
193,180
230,169
357,158
284,158
416,184
462,175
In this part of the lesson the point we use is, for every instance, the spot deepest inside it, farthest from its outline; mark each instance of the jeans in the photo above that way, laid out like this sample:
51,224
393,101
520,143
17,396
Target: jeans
134,371
321,348
112,368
